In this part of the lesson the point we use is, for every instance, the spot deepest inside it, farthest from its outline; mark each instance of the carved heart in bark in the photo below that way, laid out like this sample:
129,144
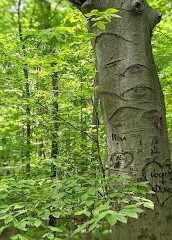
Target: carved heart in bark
160,178
121,160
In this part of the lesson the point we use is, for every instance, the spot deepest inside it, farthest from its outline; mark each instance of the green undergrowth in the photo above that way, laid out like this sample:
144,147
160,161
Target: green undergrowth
78,205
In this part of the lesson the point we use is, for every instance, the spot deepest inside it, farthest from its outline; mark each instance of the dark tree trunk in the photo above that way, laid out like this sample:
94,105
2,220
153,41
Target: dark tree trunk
55,143
26,75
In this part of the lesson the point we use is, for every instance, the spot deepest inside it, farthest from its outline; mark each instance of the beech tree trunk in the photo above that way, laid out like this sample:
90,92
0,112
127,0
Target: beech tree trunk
133,109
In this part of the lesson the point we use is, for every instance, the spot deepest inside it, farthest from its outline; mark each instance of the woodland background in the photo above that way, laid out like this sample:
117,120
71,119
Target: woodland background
52,140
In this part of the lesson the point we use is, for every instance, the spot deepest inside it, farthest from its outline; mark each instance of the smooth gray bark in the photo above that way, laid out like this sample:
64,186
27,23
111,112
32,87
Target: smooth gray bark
133,109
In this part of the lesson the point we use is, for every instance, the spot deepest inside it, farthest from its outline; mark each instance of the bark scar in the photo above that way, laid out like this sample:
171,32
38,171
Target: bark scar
135,68
112,63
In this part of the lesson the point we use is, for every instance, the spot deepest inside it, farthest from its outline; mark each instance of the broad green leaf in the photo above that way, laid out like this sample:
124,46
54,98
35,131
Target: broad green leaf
8,219
37,222
20,212
45,215
55,229
92,226
92,191
22,225
131,213
111,218
56,195
84,196
149,205
97,19
87,213
49,236
101,25
111,10
115,15
56,214
19,205
142,184
121,218
108,18
89,203
92,13
83,226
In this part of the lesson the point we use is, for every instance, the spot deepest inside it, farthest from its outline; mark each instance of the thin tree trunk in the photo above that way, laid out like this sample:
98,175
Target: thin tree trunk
83,135
95,127
28,127
55,143
133,109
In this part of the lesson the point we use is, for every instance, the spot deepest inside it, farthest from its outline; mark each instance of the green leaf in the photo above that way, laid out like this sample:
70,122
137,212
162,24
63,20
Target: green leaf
83,226
121,218
22,225
142,184
100,217
1,229
8,219
138,210
115,15
37,222
96,19
59,185
92,226
56,195
20,212
19,236
101,208
46,214
131,213
101,25
149,205
112,219
111,10
89,203
56,214
49,236
92,13
92,191
19,205
55,229
108,18
85,212
84,196
3,194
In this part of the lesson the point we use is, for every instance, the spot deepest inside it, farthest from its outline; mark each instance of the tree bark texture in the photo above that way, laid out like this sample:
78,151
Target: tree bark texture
133,109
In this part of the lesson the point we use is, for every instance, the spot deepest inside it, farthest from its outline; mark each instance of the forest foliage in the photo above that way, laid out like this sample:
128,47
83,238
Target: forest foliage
54,181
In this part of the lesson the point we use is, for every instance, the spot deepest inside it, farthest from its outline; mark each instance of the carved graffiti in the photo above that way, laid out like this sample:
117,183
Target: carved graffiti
159,177
121,159
154,140
117,137
154,150
154,143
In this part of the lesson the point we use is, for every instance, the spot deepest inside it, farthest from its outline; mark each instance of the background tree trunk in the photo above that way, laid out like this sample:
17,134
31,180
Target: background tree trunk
27,91
133,109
